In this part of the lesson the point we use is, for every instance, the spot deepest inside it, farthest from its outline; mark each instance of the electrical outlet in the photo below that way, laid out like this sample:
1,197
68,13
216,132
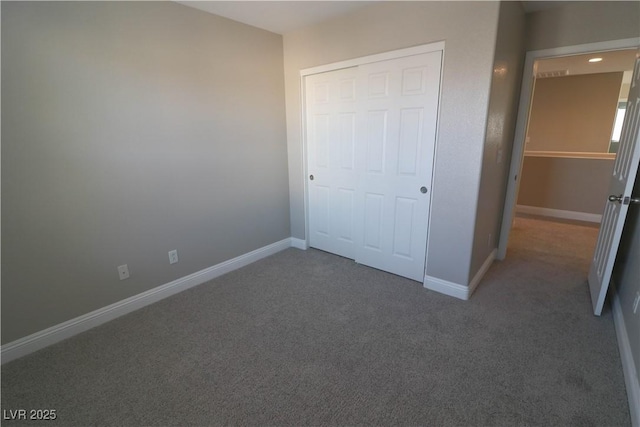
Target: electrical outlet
173,256
123,271
636,303
489,240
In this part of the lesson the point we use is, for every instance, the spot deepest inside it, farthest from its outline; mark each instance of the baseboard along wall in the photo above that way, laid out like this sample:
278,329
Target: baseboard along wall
558,213
629,368
62,331
456,290
299,244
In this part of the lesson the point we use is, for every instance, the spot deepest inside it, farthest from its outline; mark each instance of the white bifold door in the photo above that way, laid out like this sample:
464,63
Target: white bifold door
370,134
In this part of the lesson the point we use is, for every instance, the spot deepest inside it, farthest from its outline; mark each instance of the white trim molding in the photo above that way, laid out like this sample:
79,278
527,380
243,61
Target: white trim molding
299,244
483,270
559,213
447,288
628,366
62,331
385,56
456,290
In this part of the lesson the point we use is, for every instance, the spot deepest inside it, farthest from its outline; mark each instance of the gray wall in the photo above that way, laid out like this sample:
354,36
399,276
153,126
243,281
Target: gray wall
469,31
129,129
574,113
503,107
626,275
570,184
582,22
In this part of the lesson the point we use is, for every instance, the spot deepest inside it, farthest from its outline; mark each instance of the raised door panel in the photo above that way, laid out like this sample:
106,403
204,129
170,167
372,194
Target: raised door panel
347,140
373,222
404,224
331,134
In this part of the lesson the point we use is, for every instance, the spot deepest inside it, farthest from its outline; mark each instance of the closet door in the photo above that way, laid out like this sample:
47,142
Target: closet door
370,134
331,132
398,110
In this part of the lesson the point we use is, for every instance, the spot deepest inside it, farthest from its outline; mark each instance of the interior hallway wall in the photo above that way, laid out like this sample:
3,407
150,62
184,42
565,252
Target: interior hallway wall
574,113
565,183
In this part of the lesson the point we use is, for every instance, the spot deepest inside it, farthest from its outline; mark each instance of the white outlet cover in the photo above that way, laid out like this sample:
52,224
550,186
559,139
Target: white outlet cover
123,271
173,256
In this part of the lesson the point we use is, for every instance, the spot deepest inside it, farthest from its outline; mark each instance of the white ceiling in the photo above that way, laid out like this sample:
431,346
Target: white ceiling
278,16
289,15
284,16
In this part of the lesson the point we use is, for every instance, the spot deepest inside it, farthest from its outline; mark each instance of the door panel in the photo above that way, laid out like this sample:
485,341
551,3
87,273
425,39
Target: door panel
624,173
403,227
321,210
344,217
376,141
410,130
331,135
400,103
320,135
373,215
347,123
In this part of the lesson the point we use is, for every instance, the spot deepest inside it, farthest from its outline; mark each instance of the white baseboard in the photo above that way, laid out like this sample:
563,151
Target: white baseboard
558,213
299,244
447,288
628,366
456,290
62,331
483,270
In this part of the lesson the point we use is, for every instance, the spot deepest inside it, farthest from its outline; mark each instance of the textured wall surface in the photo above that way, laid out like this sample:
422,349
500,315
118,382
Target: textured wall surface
131,129
501,122
583,22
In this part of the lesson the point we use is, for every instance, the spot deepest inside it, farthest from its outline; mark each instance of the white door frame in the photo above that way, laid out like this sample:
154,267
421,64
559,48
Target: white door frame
385,56
526,92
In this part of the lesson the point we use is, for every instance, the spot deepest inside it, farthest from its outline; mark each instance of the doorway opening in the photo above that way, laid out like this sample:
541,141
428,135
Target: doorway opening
524,112
573,133
558,149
